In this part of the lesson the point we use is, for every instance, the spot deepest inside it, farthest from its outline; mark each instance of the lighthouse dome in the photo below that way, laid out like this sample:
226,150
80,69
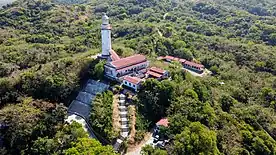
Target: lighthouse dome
105,19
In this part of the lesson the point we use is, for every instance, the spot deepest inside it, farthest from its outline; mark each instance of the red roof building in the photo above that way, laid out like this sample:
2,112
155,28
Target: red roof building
128,61
169,58
193,64
157,73
182,61
114,56
157,70
161,58
163,122
132,82
125,66
186,64
153,74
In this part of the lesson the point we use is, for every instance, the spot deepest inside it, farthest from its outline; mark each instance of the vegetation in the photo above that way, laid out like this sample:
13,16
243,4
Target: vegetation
89,146
149,150
101,115
27,121
45,49
38,127
192,138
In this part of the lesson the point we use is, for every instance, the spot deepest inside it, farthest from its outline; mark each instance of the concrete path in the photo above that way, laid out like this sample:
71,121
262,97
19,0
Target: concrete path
79,109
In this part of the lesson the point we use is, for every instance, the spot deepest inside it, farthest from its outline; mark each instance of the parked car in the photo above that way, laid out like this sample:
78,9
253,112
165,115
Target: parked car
156,131
156,138
160,144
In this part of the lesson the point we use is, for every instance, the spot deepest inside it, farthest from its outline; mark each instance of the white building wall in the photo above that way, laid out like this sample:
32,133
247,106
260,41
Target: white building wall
111,72
131,85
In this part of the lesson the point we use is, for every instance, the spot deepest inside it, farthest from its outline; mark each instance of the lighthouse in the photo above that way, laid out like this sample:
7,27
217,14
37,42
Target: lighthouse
106,37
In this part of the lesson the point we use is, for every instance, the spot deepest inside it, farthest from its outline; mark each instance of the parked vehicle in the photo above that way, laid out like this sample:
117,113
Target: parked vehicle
156,138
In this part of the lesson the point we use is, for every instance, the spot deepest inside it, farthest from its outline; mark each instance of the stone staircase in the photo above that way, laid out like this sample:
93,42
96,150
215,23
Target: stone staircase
124,122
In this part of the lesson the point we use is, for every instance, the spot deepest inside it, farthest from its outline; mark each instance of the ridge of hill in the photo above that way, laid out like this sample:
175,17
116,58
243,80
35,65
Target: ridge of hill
45,49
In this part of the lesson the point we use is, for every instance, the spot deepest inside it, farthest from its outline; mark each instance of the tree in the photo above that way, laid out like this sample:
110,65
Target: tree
214,70
183,53
227,102
44,146
179,44
191,110
101,115
176,71
201,90
268,95
62,140
98,71
259,142
21,120
196,139
191,93
149,150
29,120
84,146
155,97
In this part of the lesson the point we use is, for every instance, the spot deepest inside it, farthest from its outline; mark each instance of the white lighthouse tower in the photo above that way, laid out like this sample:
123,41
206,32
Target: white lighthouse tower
106,37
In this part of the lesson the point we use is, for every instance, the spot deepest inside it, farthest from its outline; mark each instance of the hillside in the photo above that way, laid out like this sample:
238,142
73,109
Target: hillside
45,49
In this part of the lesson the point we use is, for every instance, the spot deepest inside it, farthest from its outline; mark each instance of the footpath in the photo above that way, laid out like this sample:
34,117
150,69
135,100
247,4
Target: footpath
79,109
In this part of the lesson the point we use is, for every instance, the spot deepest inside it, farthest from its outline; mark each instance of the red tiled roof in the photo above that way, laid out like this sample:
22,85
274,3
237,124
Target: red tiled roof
163,122
128,61
134,80
154,74
160,58
157,70
132,66
194,64
169,57
114,55
176,59
182,60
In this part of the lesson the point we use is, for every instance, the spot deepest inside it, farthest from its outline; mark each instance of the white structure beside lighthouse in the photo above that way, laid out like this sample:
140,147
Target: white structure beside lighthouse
106,37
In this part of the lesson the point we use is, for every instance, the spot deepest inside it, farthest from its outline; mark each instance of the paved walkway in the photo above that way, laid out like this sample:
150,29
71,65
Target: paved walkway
79,109
80,120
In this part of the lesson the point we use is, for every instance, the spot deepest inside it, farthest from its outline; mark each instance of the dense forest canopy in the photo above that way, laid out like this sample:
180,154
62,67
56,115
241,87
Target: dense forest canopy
45,49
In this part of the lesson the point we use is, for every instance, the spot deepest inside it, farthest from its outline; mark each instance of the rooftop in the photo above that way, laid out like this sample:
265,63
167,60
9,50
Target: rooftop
134,80
157,70
160,58
182,61
154,74
193,64
128,61
114,55
169,57
163,122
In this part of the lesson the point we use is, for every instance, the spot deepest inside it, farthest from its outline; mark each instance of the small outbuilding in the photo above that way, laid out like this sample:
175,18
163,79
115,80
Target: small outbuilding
132,82
163,122
157,73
